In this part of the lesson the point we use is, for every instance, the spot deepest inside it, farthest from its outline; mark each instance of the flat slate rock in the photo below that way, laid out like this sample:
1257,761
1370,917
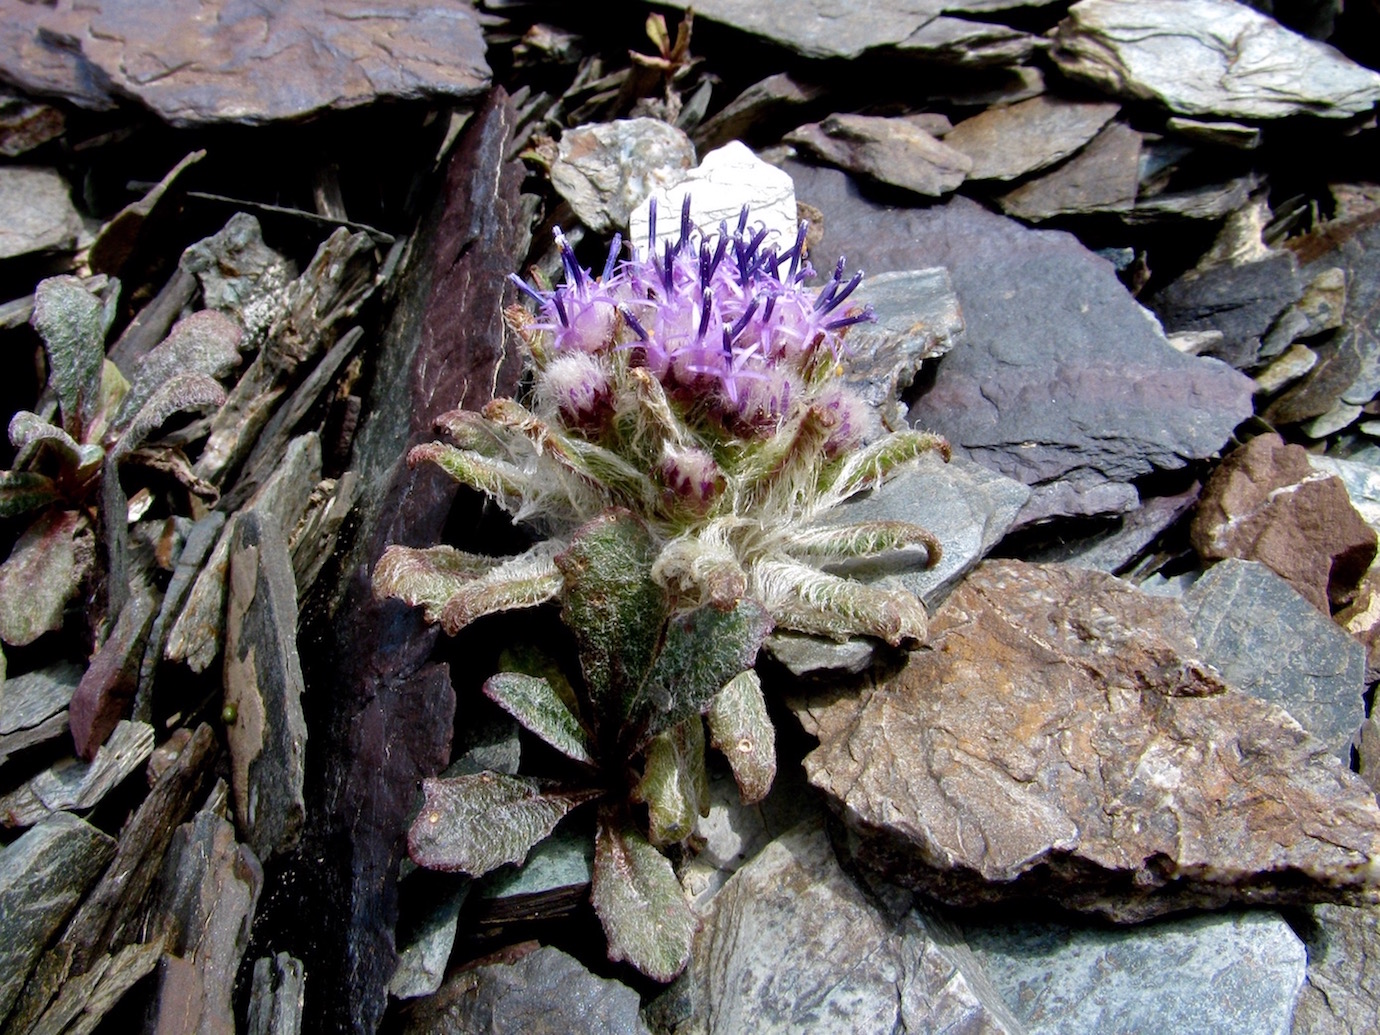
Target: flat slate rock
1224,973
792,944
1064,382
1342,994
545,992
893,151
1103,177
194,63
1209,57
1059,739
43,875
965,43
606,169
36,211
1267,640
1008,142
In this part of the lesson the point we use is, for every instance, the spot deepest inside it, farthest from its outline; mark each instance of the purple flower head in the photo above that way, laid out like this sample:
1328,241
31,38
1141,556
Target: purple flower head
719,318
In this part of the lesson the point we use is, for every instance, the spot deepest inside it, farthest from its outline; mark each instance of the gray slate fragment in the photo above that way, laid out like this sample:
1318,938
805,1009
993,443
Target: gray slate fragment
918,318
1266,639
968,506
969,44
1064,379
606,169
750,109
25,701
804,655
36,212
820,28
791,944
1342,993
1209,57
74,784
422,960
239,274
1362,483
276,997
893,151
209,889
1228,974
263,682
1012,141
1319,309
1115,550
545,992
1241,300
1103,177
43,875
1211,201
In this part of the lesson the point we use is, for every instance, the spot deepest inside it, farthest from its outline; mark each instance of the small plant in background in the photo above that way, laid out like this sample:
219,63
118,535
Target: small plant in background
94,420
687,428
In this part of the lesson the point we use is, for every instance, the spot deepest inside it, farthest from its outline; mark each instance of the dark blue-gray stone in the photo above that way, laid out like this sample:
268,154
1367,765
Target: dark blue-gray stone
1266,639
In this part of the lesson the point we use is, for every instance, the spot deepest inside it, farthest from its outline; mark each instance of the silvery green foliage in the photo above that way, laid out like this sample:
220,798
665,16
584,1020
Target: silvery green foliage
686,430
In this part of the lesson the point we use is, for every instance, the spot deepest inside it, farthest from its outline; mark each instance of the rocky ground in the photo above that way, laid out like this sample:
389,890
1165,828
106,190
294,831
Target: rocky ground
1123,256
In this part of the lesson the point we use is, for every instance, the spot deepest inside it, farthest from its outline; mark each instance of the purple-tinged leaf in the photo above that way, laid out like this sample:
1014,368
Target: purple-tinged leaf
646,918
188,391
23,491
526,580
740,727
41,575
73,322
427,577
534,703
474,824
30,433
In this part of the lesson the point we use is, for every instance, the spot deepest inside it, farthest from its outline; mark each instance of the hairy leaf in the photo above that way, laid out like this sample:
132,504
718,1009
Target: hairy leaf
645,915
740,728
41,575
598,466
787,468
428,577
613,607
502,481
470,431
523,581
701,651
30,433
474,824
674,784
534,703
865,539
806,600
188,391
72,322
874,464
23,491
206,342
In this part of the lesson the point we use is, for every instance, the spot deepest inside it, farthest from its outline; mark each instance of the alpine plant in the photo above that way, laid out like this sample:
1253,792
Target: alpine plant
685,431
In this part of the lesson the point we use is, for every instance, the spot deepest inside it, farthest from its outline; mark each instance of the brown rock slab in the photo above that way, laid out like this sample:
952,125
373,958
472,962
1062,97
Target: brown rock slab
891,151
263,685
969,44
774,96
1058,740
37,54
1011,141
103,696
1103,177
194,63
25,124
1266,503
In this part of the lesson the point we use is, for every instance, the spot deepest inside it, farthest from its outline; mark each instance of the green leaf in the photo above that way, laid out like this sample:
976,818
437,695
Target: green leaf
613,607
534,703
469,431
674,784
523,581
30,433
427,577
740,728
865,539
875,463
190,391
701,651
785,470
23,491
474,824
72,322
645,915
42,573
810,601
503,481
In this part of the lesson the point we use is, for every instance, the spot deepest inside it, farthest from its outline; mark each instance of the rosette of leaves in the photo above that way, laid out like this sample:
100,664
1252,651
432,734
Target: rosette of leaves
65,455
634,732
